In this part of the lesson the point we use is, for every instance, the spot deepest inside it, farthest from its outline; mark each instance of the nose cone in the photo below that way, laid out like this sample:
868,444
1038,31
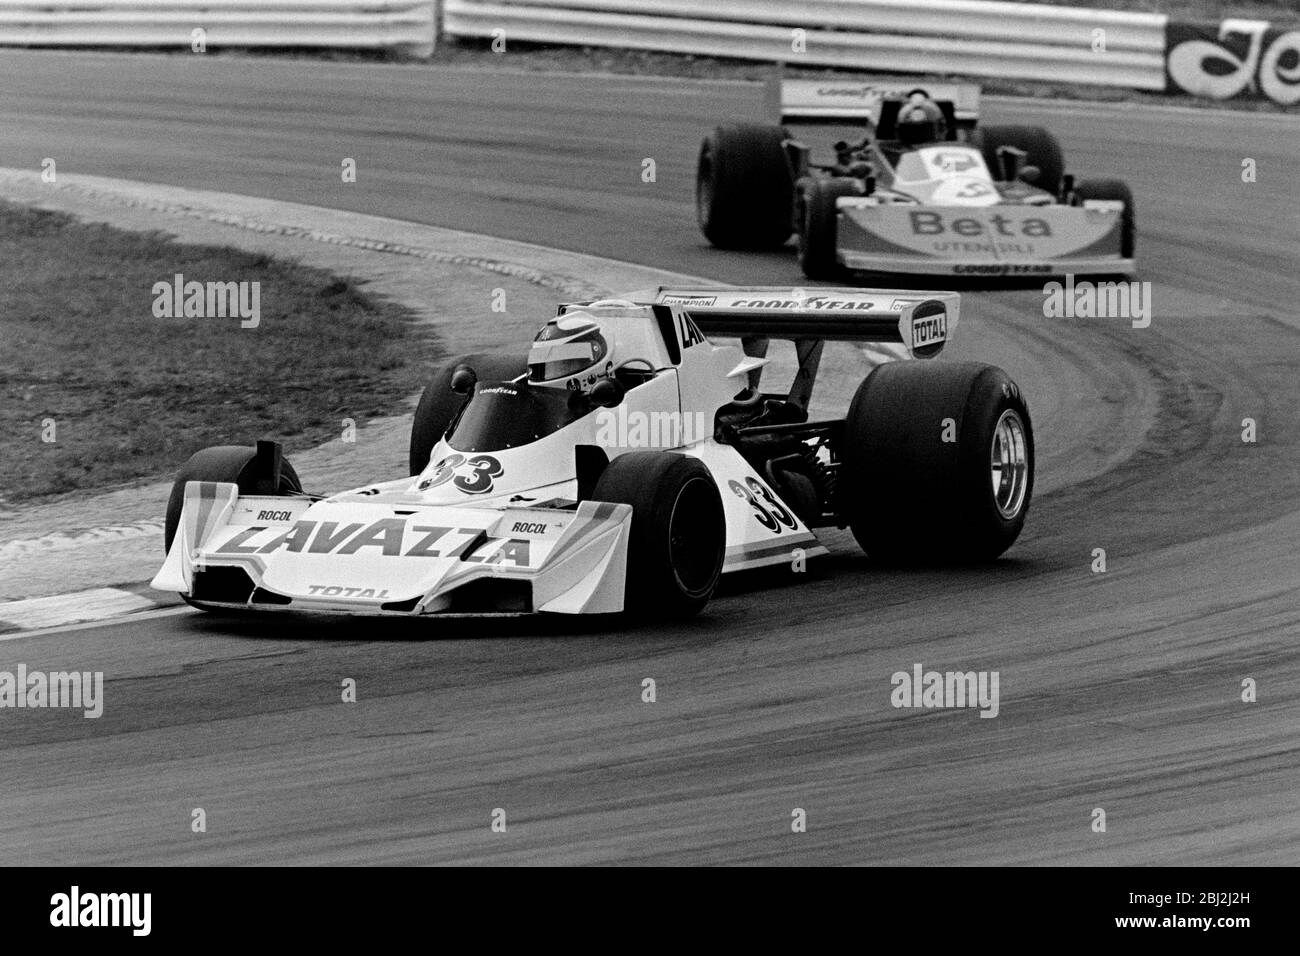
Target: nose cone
471,478
365,554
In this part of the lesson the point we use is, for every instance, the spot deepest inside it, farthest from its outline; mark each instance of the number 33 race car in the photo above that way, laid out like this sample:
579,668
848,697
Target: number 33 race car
625,463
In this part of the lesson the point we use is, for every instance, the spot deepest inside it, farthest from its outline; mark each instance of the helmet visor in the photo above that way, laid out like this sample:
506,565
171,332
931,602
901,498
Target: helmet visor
550,361
918,131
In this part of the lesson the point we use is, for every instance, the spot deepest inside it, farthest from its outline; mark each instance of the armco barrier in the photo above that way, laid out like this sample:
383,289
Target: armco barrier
1012,40
1026,41
407,26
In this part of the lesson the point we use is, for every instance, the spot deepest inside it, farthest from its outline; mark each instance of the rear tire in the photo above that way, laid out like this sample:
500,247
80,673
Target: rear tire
744,190
819,226
678,536
1041,148
1112,189
916,487
439,404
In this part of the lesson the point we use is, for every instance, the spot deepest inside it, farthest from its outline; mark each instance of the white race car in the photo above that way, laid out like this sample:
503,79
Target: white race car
625,463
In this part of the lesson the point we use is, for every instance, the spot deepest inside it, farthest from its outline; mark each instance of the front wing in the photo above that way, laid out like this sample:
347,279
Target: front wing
390,554
982,240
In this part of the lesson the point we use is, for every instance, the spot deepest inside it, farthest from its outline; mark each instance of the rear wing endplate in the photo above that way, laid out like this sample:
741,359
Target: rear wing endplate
923,322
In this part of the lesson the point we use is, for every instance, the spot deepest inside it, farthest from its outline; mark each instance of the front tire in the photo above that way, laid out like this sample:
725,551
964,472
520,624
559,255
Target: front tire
744,190
678,537
938,462
1112,189
819,226
232,464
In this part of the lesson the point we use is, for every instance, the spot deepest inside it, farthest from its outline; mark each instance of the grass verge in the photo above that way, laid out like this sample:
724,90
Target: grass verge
125,395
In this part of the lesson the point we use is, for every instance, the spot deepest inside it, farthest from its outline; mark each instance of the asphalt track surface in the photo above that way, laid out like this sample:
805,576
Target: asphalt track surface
1118,690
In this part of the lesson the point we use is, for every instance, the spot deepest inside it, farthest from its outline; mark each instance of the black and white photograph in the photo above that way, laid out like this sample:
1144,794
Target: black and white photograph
650,433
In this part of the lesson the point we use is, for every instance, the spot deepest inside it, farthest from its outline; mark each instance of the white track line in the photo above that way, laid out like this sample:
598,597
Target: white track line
97,604
89,625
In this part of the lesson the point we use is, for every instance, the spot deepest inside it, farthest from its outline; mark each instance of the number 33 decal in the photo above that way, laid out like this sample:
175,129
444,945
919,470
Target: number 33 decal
767,510
470,475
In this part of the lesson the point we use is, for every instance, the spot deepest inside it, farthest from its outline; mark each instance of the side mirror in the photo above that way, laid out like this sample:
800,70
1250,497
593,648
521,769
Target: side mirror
1010,159
607,393
1031,174
463,380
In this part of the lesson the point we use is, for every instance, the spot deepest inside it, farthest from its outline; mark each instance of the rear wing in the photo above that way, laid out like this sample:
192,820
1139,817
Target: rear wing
922,322
839,101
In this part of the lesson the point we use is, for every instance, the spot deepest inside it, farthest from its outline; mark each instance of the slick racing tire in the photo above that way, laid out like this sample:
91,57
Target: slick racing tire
439,404
937,462
744,190
678,536
1041,148
233,464
1113,189
819,226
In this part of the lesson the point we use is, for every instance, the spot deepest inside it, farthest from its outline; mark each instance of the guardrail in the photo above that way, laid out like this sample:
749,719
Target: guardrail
1009,40
1022,41
406,26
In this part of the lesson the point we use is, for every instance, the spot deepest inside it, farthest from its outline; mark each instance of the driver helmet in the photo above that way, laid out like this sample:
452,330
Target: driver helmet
570,352
920,120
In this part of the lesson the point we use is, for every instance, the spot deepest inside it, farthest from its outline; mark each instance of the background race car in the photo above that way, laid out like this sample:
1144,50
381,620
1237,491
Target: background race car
625,462
940,197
